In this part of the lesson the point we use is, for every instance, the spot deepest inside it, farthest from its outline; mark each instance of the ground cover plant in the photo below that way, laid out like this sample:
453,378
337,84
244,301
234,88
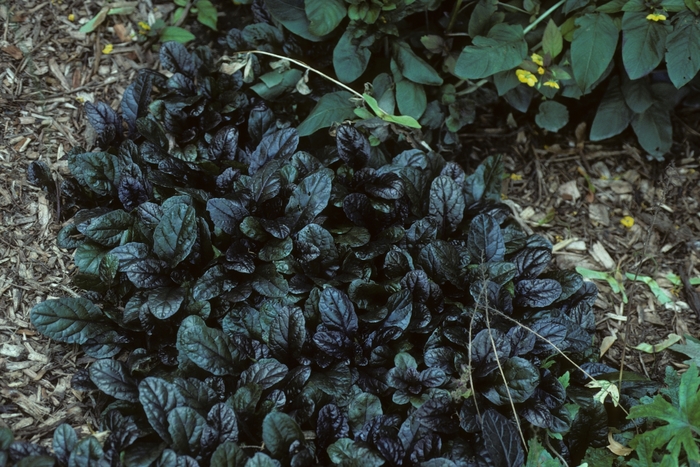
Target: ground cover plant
438,62
176,267
249,301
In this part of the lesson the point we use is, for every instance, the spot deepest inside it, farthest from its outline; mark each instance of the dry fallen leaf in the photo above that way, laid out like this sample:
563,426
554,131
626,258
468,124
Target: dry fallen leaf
600,254
569,191
13,52
606,343
617,448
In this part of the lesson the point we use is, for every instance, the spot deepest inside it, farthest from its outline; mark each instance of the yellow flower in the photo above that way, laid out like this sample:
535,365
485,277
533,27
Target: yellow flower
540,70
144,26
107,49
516,177
551,83
656,17
537,59
71,17
627,221
526,77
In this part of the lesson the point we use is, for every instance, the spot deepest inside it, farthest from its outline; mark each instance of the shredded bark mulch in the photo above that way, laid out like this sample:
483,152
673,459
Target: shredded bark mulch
573,192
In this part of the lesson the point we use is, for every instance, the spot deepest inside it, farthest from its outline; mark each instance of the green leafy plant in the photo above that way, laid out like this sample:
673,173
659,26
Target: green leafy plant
557,52
678,436
250,300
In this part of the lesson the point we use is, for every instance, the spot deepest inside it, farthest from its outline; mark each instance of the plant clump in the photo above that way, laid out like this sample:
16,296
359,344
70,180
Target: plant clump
249,303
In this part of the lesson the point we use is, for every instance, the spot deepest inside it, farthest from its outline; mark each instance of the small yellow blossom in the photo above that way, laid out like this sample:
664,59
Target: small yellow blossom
537,59
627,221
516,177
107,49
144,26
551,83
656,17
540,70
71,17
526,77
504,196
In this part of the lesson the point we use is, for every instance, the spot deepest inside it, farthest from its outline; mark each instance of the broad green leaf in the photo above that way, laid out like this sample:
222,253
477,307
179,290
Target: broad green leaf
269,282
158,397
164,302
175,33
446,204
175,234
613,115
643,43
682,421
274,84
691,348
552,41
310,197
279,431
654,130
504,48
292,14
112,378
186,427
208,348
72,320
206,13
349,59
88,452
638,95
683,50
482,17
413,67
410,98
592,49
229,454
331,108
109,228
552,116
324,15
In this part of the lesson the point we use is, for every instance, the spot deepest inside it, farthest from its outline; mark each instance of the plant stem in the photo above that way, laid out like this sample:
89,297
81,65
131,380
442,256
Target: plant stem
453,16
304,65
543,16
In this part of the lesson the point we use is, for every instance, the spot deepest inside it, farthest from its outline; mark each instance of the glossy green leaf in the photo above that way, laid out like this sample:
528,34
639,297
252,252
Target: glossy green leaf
208,348
279,431
72,320
175,234
113,378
